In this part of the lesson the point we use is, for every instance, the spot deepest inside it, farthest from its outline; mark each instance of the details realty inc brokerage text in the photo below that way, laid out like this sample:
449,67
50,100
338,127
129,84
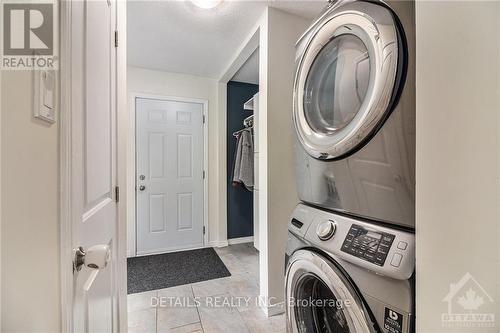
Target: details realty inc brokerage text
239,301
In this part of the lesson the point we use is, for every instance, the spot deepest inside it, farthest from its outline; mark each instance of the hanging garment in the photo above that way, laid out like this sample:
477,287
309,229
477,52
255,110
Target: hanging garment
237,161
243,163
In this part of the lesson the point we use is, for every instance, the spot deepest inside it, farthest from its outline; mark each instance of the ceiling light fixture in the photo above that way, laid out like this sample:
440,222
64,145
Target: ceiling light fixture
206,4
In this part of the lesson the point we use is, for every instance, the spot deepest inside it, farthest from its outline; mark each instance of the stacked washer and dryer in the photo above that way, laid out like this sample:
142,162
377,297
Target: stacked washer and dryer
350,257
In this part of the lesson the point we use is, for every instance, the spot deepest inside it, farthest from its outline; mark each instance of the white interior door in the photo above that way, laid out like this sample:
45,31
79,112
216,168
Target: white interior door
169,153
93,164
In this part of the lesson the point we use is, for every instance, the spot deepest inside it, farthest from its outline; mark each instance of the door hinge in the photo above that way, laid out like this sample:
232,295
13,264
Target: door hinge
204,120
116,38
204,230
203,174
117,193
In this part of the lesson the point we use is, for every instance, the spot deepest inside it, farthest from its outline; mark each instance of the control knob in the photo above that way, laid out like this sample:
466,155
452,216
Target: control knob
325,230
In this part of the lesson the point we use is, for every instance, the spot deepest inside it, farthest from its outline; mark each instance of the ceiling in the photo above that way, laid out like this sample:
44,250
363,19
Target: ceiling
176,36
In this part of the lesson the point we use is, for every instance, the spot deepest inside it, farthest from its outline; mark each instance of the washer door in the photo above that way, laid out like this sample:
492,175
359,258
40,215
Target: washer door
348,78
320,298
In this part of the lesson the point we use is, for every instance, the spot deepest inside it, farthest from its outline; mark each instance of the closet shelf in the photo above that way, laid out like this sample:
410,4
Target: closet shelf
248,105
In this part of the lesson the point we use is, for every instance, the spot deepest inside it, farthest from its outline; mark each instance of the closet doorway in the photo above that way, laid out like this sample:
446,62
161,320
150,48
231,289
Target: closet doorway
242,150
170,176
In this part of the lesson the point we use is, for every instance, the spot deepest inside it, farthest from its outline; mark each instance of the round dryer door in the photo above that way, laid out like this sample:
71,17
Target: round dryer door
348,78
320,298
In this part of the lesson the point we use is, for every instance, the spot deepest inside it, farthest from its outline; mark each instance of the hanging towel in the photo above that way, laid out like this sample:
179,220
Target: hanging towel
243,164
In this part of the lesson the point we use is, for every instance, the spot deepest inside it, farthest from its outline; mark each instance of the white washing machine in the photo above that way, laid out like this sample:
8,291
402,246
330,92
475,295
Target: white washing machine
347,275
354,111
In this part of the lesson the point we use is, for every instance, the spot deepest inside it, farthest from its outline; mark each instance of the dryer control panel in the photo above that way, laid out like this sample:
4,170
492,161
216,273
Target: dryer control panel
367,244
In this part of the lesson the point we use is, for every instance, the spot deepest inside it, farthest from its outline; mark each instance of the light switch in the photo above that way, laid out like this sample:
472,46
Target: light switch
44,105
48,89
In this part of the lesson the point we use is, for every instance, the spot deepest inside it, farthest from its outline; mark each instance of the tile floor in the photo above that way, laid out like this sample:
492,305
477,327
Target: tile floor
214,306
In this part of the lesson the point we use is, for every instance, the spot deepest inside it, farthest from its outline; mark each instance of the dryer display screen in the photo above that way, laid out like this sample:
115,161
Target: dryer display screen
368,245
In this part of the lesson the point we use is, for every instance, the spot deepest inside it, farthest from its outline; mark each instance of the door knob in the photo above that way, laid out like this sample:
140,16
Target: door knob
96,257
142,188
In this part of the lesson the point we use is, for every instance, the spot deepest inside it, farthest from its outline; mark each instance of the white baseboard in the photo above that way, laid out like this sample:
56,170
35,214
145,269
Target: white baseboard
217,243
209,244
222,243
272,309
240,240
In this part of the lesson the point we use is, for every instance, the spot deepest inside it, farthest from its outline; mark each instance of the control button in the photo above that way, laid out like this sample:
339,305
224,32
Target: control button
396,259
351,251
379,260
369,256
325,230
383,249
402,245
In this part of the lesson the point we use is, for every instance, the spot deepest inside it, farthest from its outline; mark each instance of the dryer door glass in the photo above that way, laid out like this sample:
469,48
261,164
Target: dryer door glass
348,79
336,84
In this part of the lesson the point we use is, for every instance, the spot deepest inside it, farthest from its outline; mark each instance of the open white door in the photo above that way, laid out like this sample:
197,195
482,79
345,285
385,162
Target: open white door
93,166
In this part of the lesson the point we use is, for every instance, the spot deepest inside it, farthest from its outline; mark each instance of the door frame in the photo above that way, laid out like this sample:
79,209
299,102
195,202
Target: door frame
132,161
66,231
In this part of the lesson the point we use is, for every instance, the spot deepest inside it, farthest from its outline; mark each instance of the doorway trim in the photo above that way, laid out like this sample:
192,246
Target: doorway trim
242,54
132,163
66,228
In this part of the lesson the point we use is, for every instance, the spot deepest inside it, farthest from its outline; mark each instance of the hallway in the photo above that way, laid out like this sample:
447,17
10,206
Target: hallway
220,305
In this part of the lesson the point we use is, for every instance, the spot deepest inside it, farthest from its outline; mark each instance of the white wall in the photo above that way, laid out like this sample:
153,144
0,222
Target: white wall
29,216
179,85
279,32
458,154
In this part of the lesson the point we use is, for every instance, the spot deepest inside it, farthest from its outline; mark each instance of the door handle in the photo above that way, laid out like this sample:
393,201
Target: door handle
96,257
142,188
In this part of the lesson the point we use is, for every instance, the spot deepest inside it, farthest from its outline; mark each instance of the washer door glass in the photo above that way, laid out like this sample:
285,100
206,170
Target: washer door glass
336,85
317,309
347,78
321,299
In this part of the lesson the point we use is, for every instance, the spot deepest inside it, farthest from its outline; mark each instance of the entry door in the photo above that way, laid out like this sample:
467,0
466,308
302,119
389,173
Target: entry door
93,164
169,152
